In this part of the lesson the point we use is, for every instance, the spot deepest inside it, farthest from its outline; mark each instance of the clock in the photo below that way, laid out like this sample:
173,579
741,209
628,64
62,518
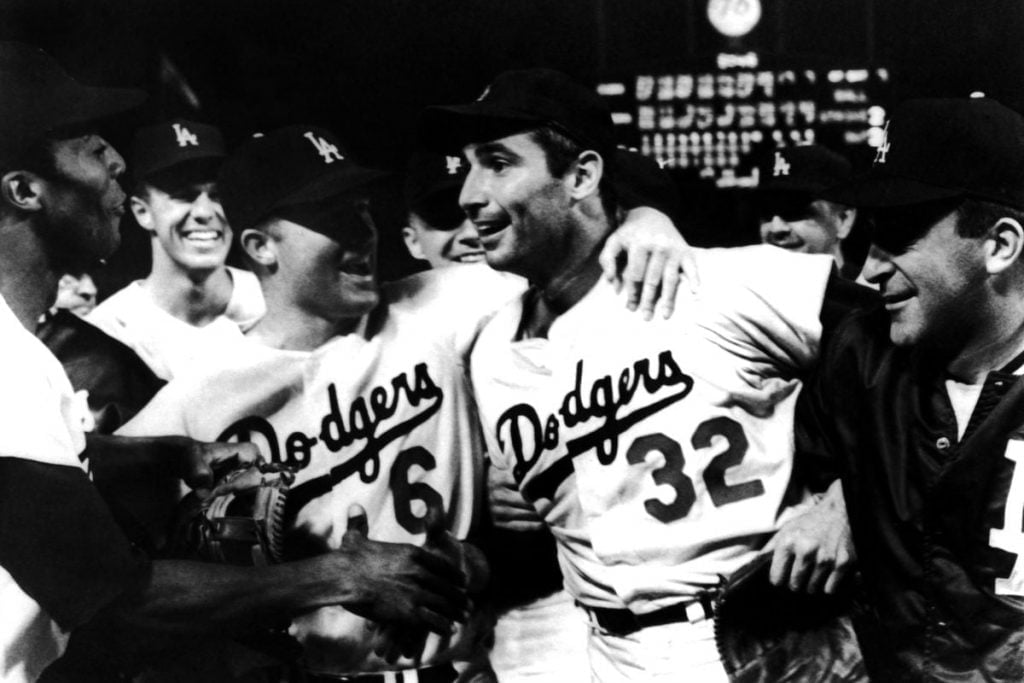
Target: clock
734,18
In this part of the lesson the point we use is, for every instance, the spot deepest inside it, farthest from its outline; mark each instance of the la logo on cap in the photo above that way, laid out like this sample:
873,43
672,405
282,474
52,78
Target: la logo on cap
453,164
184,136
883,149
781,166
325,149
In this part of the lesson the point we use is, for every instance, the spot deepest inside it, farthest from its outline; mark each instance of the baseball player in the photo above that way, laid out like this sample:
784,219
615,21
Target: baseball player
190,300
437,231
792,207
535,638
923,401
658,454
362,393
65,567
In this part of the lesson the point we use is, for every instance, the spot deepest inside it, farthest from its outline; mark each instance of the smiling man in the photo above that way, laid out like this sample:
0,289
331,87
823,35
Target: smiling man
658,453
190,300
792,209
437,230
923,402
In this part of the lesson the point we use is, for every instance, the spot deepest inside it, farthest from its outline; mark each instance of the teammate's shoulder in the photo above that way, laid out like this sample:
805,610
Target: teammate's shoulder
761,255
125,300
462,287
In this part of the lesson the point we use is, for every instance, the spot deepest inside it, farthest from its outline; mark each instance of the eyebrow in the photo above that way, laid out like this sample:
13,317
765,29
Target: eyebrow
489,148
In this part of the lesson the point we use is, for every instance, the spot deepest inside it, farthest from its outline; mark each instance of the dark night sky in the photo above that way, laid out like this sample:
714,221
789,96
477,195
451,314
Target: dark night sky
365,68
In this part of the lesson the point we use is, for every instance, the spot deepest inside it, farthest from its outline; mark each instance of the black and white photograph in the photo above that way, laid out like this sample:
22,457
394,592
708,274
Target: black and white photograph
522,341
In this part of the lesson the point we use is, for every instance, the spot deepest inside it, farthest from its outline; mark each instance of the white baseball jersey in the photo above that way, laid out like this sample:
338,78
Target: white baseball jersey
659,452
165,343
40,423
382,418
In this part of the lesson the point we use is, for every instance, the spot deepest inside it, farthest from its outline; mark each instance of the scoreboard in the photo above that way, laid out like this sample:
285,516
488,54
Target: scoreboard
714,123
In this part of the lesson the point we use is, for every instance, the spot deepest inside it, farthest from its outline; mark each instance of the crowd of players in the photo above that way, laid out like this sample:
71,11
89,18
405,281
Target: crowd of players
498,468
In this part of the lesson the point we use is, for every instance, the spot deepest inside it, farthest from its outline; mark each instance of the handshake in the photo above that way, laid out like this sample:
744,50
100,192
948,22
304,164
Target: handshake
406,590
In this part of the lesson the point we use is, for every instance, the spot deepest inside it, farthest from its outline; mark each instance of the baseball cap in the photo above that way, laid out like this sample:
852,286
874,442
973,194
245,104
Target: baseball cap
430,173
175,143
640,181
291,166
808,169
943,148
37,96
518,100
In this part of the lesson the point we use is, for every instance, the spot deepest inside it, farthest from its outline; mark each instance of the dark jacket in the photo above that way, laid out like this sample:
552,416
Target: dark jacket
944,600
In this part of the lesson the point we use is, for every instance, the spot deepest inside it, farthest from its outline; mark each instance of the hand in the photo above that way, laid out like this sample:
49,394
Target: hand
392,641
400,584
201,463
249,477
814,551
647,255
509,510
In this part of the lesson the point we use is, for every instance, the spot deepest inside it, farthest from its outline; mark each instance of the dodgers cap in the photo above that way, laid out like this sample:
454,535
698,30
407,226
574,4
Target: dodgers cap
37,96
176,143
937,149
641,181
431,173
289,167
807,169
519,100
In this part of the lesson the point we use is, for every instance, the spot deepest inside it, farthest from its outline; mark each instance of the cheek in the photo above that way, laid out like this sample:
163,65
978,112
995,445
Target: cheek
813,233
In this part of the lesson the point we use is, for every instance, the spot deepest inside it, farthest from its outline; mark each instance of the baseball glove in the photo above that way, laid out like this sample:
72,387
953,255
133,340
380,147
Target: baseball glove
771,635
241,522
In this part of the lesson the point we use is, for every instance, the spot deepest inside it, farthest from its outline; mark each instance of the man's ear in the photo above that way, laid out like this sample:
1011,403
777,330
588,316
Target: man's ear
1004,244
143,214
411,237
259,247
587,173
22,190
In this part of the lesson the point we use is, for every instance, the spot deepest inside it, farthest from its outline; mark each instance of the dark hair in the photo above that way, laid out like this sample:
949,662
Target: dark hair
976,216
561,151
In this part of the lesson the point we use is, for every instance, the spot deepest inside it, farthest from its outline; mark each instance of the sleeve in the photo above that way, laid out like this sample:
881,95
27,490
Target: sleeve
60,543
165,415
117,381
37,409
818,437
769,299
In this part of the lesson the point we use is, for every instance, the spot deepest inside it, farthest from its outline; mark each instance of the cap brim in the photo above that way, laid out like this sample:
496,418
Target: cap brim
784,185
450,128
83,104
882,191
448,185
334,184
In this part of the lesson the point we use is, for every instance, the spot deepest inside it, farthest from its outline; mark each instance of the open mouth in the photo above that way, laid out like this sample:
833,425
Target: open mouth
489,228
472,257
359,266
203,236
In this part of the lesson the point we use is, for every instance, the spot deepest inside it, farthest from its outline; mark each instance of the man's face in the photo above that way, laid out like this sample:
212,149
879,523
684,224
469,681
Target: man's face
187,222
933,286
800,224
331,278
520,210
440,233
82,201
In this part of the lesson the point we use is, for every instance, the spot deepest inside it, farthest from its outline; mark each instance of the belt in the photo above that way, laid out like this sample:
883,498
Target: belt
622,622
442,673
